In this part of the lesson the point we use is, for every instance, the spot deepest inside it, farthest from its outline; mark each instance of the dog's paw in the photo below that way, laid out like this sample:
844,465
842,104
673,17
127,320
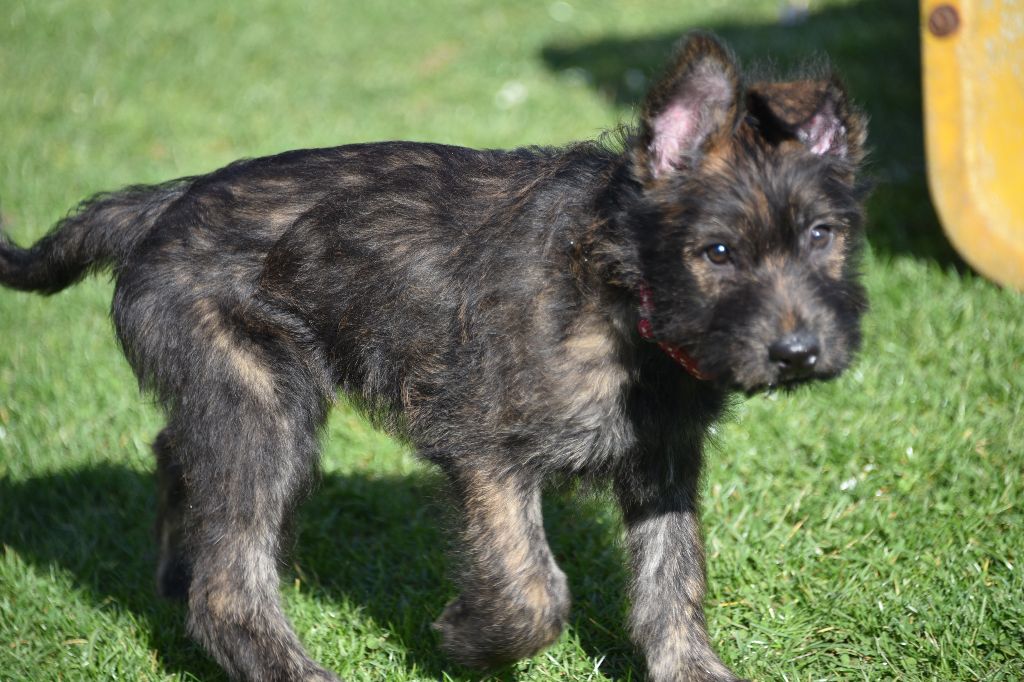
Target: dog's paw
482,639
459,635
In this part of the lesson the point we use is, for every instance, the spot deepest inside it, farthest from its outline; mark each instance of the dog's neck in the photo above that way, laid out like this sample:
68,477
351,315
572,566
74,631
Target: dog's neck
606,258
646,331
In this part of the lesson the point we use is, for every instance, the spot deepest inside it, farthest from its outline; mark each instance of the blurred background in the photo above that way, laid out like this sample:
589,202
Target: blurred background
867,529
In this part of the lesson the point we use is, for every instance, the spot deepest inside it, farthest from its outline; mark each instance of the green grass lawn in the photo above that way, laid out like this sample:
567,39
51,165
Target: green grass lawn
866,529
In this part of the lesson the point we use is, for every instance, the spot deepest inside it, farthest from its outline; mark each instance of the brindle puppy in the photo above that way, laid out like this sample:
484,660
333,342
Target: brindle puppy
497,304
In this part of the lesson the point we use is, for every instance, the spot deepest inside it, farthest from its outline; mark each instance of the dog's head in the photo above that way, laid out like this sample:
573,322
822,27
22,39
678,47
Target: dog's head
750,220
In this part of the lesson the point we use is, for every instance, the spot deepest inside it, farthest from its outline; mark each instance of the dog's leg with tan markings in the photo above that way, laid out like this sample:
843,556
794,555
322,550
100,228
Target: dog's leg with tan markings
236,515
660,509
233,463
514,599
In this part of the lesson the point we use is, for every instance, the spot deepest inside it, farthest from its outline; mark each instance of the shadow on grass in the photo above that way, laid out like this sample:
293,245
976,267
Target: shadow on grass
873,44
378,543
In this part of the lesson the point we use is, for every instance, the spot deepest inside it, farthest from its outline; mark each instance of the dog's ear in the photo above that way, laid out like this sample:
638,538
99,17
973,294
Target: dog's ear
693,105
816,113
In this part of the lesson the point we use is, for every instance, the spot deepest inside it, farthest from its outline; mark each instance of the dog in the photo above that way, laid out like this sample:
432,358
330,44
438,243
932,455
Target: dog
582,312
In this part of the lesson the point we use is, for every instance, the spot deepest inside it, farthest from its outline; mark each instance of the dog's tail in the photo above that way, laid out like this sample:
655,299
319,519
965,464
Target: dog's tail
100,233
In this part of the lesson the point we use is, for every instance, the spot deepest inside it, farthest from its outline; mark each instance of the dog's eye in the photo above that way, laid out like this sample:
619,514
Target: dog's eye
718,254
820,236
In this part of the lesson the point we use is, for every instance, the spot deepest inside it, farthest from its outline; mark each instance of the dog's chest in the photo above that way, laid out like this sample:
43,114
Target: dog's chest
588,382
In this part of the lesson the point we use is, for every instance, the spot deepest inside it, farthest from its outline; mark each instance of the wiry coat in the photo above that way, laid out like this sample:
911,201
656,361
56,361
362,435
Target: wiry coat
484,304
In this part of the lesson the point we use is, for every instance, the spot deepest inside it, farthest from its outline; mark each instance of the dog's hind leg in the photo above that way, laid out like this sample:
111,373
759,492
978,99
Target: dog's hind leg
239,453
249,459
245,403
514,599
244,470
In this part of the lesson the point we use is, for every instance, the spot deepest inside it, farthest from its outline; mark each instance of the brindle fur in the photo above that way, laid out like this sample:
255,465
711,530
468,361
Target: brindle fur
484,304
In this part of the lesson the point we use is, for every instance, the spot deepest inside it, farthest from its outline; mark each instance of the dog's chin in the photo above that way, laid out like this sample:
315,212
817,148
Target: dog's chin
776,383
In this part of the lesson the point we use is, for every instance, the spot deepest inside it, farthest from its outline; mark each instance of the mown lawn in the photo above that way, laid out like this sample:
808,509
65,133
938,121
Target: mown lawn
866,529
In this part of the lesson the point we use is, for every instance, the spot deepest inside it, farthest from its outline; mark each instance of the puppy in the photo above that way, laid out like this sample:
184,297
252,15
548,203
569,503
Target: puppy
516,315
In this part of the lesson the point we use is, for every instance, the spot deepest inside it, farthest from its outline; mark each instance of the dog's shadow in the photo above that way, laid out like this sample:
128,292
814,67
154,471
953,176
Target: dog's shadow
377,543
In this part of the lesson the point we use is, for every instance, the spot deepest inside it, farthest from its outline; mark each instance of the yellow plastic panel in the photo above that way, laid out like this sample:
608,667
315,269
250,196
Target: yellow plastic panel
974,122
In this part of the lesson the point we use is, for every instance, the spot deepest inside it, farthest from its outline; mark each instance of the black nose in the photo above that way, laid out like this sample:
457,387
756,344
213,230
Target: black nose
795,354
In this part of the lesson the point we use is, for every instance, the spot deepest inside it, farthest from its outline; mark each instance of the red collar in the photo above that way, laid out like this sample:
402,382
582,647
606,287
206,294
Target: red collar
646,330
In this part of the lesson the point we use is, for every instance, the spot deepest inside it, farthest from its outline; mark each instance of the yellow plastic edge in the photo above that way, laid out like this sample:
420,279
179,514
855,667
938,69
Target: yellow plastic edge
993,249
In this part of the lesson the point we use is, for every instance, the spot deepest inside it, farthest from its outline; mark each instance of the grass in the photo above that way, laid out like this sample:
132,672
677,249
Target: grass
866,529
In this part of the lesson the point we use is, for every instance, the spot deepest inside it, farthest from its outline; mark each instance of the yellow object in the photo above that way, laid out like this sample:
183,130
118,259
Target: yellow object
974,122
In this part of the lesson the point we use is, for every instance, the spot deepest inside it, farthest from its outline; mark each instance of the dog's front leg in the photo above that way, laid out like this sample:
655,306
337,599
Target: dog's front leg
514,599
659,505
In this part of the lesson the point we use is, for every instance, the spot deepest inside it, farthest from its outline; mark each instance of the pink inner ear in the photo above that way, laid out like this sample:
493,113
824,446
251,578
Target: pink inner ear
672,128
824,134
701,101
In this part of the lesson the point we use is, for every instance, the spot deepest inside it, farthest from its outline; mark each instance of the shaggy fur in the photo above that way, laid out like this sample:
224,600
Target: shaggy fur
485,305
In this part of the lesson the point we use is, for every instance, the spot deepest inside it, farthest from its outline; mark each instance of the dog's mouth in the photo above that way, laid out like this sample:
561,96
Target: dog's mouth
769,388
783,384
